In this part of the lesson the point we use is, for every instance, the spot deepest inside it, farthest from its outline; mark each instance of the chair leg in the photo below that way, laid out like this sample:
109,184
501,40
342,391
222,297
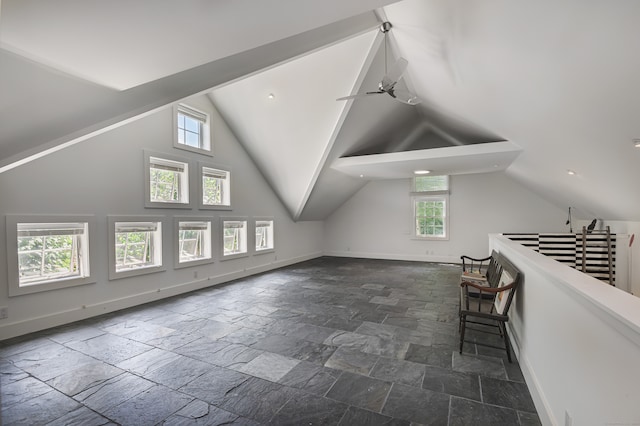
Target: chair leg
462,330
503,329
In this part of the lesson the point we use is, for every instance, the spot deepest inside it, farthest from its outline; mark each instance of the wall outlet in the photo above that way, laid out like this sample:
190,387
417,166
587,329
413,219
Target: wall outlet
568,421
4,312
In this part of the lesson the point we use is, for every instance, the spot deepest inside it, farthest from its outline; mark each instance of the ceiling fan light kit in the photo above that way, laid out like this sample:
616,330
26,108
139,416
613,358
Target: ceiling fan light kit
390,79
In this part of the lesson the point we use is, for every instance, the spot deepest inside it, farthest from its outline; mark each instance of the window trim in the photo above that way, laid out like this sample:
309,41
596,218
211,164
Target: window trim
115,275
273,235
206,129
219,167
147,181
13,273
176,246
247,238
431,196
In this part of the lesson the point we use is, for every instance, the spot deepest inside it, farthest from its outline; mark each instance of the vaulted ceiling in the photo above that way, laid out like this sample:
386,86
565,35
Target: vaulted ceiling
531,89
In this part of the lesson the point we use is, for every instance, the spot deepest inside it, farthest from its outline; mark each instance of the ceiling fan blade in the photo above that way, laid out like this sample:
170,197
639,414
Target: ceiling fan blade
358,95
394,74
405,97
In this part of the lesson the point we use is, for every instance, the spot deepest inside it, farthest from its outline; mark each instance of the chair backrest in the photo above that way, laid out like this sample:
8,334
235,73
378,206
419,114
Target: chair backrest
494,271
509,275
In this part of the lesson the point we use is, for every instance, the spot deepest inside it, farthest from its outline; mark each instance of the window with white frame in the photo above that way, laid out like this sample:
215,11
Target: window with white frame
234,237
47,255
167,181
136,247
215,185
264,235
194,241
430,199
191,130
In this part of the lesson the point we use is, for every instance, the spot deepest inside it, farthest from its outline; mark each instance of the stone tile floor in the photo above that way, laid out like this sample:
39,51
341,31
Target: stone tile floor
330,341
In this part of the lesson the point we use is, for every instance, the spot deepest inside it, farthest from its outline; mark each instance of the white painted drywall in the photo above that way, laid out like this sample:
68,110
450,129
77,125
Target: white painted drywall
104,176
376,222
577,341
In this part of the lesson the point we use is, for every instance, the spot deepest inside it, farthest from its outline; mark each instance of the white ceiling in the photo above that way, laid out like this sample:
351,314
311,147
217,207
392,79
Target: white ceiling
557,81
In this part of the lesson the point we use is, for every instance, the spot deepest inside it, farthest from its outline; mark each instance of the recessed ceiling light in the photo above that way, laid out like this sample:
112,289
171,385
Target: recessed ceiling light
571,172
271,96
422,172
361,176
636,143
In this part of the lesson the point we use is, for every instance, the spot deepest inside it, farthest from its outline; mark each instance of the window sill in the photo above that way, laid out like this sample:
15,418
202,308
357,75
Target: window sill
190,263
265,251
113,275
234,256
49,285
415,238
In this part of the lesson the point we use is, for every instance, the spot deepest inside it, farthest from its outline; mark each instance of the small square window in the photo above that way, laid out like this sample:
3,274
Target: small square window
191,130
264,235
215,187
234,238
167,181
47,255
136,247
193,241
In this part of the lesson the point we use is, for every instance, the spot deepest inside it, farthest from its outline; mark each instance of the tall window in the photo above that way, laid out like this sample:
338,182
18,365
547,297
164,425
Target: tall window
216,187
167,181
234,234
192,130
48,252
194,241
52,251
264,235
430,200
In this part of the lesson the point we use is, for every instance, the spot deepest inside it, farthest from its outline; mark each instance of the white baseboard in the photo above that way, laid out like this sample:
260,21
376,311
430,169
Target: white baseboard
394,256
539,400
31,325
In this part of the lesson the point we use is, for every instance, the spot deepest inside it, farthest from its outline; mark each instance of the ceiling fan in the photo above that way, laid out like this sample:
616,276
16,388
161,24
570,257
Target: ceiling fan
388,83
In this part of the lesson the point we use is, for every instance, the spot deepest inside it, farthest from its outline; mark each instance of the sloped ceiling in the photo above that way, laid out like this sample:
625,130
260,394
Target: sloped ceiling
528,88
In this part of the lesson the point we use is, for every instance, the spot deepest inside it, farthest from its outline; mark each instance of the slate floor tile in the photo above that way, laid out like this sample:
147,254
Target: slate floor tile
84,377
233,356
257,399
393,370
245,336
465,412
269,366
113,392
443,380
41,410
22,391
343,324
201,349
529,419
308,409
311,378
482,365
110,348
507,394
178,372
148,407
417,405
200,413
382,331
148,361
213,386
50,361
352,360
439,356
358,417
361,391
9,373
81,416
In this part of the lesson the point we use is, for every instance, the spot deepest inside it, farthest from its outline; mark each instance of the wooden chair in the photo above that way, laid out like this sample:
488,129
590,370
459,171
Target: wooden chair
489,306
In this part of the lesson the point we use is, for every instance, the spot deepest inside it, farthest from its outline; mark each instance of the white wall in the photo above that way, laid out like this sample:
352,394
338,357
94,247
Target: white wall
104,176
577,340
376,222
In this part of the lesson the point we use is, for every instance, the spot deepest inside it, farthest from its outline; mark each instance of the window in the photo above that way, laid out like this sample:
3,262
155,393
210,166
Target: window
167,181
48,254
430,207
191,130
215,187
234,238
264,235
136,247
193,241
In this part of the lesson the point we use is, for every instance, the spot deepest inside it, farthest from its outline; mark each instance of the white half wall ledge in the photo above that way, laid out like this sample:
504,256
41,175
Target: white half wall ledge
476,158
577,340
44,322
